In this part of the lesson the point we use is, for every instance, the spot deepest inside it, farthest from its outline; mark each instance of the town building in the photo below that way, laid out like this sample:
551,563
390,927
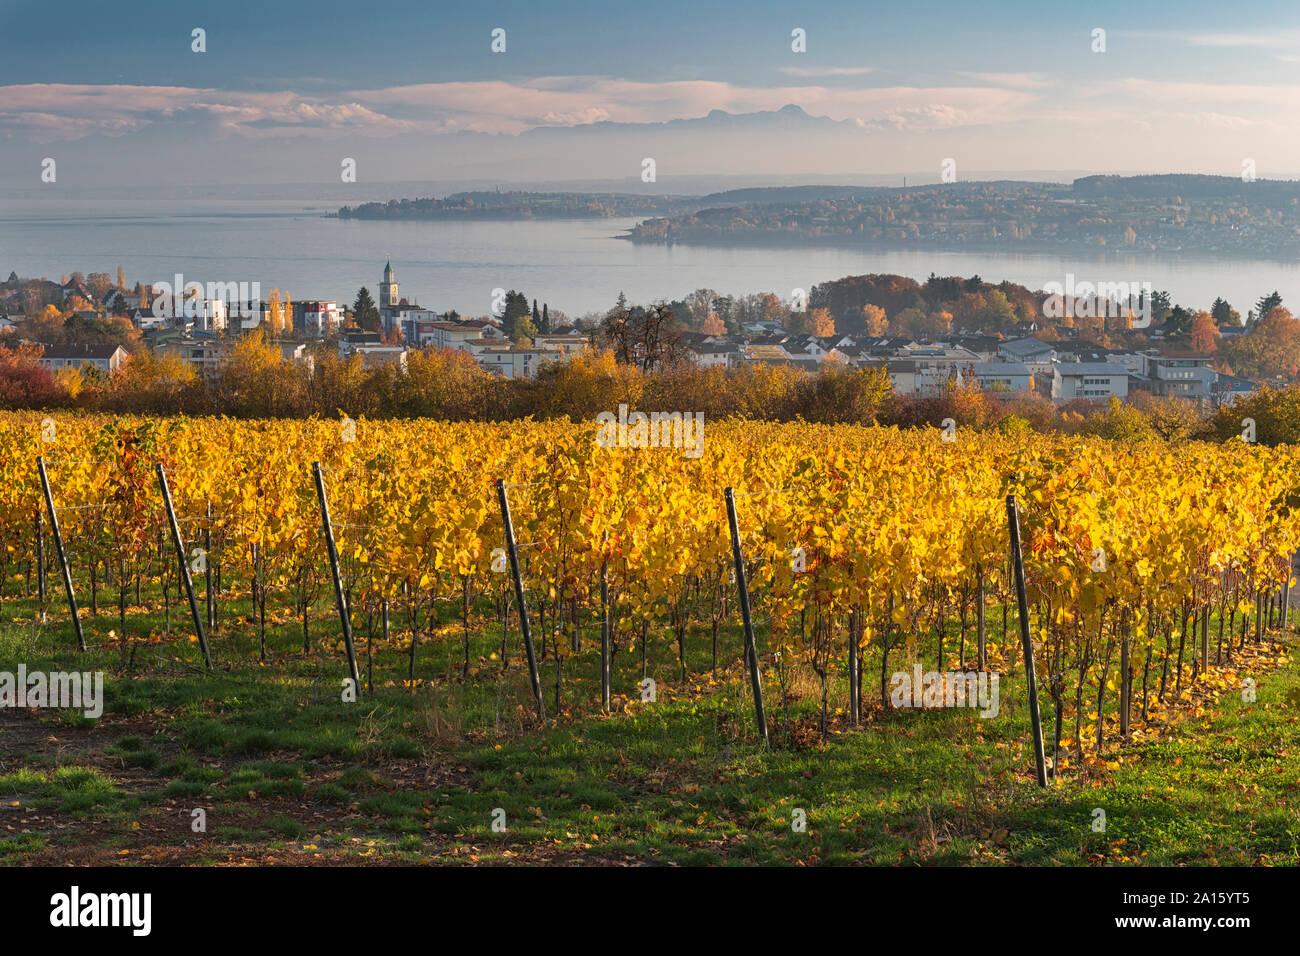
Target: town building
1035,353
101,358
1178,372
352,339
205,352
512,361
714,354
1228,388
1093,380
316,319
1002,376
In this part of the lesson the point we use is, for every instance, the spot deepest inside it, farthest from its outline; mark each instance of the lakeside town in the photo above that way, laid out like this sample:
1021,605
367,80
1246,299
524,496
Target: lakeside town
996,342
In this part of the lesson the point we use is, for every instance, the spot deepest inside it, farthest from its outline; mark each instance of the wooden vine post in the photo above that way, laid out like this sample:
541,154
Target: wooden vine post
1031,678
742,586
345,616
184,564
63,555
512,552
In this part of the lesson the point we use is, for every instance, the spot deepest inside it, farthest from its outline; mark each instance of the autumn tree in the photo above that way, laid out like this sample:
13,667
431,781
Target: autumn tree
442,383
46,326
820,323
1170,417
1205,332
993,313
699,306
274,313
151,381
648,338
837,394
1270,349
591,382
1276,413
938,321
25,383
908,322
874,320
256,382
99,283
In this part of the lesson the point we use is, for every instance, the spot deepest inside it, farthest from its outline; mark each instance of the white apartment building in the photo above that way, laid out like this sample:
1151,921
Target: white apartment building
511,361
1095,380
1180,373
319,319
1004,376
102,358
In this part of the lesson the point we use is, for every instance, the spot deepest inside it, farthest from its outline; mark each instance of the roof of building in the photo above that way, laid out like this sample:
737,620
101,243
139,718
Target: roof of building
805,361
1089,356
1183,354
1000,368
1029,346
80,351
1089,368
974,340
935,352
894,365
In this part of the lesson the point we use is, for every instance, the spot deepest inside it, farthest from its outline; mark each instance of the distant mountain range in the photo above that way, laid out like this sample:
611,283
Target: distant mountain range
788,119
694,155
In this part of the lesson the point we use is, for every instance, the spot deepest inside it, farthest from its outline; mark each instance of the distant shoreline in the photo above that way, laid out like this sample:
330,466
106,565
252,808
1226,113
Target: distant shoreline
1014,247
741,241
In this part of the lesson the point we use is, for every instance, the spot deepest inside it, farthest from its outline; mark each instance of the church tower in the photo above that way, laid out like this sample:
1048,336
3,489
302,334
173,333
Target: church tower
388,298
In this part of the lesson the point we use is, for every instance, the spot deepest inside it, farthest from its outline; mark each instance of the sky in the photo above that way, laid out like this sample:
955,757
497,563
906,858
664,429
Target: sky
285,91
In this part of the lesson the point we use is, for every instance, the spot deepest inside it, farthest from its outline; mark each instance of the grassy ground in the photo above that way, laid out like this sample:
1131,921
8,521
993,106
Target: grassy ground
284,771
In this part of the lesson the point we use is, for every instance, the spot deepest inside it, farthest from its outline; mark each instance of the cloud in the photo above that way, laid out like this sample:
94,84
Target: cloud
1267,39
815,71
1251,98
69,111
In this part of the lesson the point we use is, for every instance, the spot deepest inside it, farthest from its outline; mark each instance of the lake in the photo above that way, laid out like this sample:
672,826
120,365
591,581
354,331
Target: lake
576,266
